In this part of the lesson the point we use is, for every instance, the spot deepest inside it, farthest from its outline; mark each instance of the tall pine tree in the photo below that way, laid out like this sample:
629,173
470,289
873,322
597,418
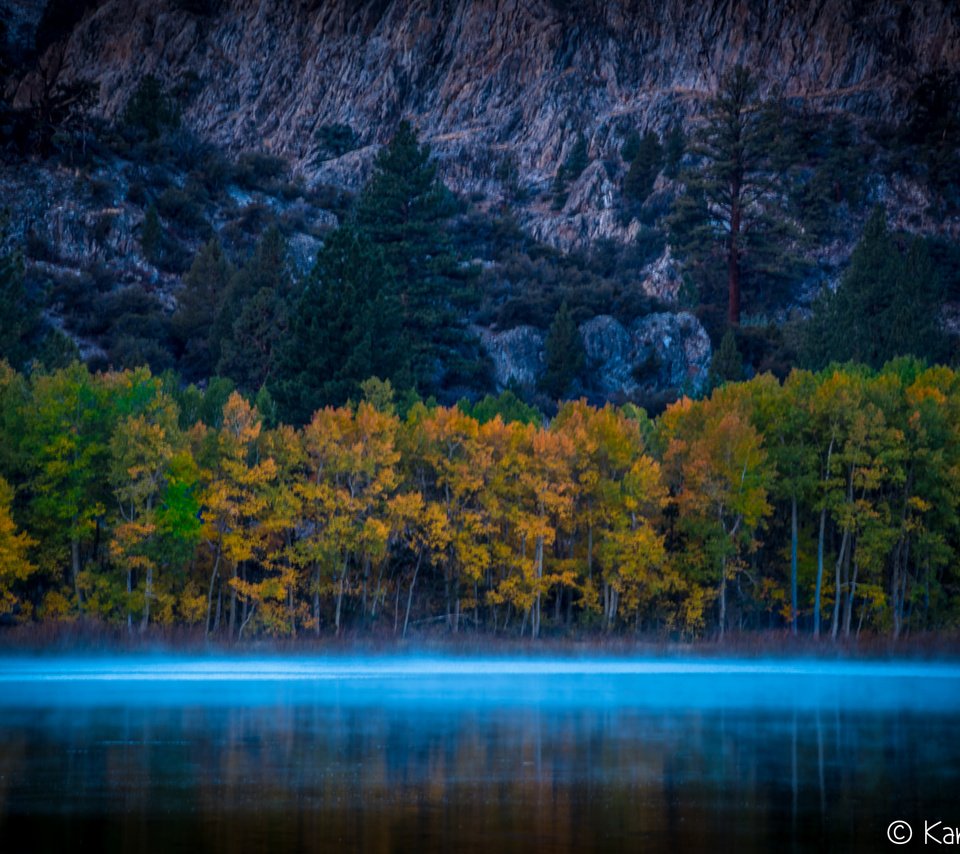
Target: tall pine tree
344,329
205,289
564,354
404,210
253,319
886,305
727,225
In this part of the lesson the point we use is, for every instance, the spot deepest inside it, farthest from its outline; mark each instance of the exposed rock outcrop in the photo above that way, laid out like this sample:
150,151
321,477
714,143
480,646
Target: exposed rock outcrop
517,354
657,353
661,351
501,88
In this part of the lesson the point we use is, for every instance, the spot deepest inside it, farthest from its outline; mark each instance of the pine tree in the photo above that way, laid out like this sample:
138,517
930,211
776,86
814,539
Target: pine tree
151,236
572,168
564,354
674,146
729,211
727,364
646,165
344,329
19,316
630,147
150,110
205,288
886,305
404,210
253,319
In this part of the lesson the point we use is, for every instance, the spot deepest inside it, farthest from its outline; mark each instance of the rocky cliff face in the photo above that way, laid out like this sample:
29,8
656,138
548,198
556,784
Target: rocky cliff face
500,88
659,353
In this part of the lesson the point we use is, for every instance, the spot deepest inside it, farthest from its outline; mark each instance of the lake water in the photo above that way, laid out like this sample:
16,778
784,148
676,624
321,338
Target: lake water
408,754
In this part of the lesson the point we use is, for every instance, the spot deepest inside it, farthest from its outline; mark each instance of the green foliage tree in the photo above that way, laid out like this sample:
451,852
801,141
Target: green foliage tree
886,305
506,405
674,147
205,289
572,168
404,210
727,363
564,355
836,180
630,147
728,224
20,315
150,110
254,317
335,140
933,128
646,165
151,236
344,329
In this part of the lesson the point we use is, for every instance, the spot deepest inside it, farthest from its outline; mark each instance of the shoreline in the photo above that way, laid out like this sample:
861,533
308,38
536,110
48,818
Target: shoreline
92,639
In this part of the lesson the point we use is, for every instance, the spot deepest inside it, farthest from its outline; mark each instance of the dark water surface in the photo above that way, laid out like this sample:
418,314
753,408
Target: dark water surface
451,755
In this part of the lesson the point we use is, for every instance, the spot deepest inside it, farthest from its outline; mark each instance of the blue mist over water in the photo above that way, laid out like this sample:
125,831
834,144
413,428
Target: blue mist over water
479,682
415,753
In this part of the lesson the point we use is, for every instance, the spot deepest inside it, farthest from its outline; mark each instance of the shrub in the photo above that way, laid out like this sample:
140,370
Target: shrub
256,170
180,208
335,140
150,110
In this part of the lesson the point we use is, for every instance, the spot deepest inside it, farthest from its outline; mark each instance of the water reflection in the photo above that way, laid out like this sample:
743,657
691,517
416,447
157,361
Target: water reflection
448,776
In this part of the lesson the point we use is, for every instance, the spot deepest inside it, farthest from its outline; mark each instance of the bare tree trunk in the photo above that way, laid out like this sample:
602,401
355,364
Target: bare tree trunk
413,582
129,592
536,608
147,596
246,620
396,608
363,595
838,585
75,570
733,257
343,580
292,612
817,594
820,539
213,578
245,604
233,603
793,563
851,596
723,596
316,604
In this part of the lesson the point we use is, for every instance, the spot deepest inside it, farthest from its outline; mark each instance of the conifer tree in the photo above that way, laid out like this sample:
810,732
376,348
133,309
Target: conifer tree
253,319
205,289
727,364
646,165
886,305
630,147
674,146
404,210
344,329
572,168
564,354
18,314
727,225
151,236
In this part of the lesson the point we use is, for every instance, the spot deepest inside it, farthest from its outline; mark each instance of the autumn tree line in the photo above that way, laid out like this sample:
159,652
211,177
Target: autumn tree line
825,504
